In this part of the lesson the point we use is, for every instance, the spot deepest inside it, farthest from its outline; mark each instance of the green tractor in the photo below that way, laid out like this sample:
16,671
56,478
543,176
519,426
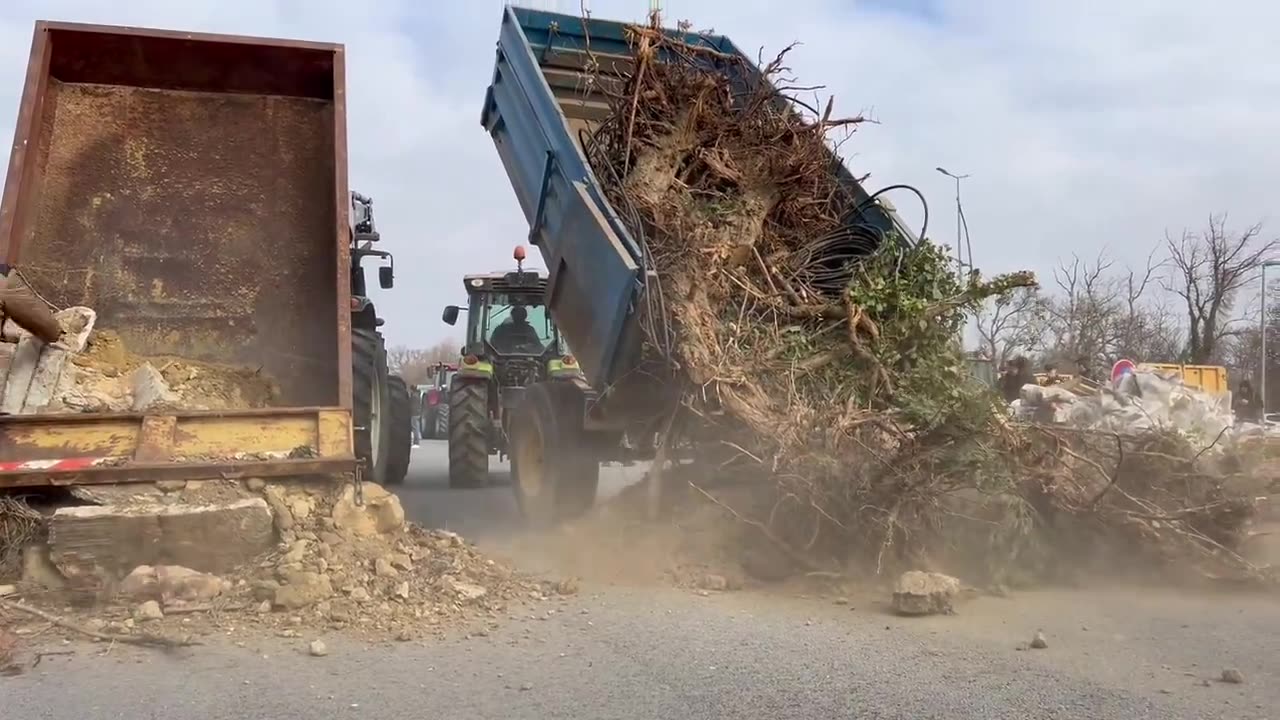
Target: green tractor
512,342
380,400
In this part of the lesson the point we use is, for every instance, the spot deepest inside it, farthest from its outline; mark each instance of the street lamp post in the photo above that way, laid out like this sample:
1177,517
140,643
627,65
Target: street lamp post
959,215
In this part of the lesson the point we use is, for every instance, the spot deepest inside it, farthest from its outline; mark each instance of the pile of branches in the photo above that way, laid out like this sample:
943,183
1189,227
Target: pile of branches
1154,492
20,525
814,339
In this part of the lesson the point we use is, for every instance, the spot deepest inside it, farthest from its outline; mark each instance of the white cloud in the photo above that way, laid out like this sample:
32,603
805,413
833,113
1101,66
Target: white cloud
1082,124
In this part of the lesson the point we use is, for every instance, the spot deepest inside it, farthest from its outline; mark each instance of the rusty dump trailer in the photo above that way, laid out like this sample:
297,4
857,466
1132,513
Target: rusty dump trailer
192,190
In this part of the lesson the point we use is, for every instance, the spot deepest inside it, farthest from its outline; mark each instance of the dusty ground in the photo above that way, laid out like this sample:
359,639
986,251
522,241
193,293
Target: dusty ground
623,648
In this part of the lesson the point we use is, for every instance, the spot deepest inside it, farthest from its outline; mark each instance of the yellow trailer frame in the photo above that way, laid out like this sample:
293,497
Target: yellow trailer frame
84,449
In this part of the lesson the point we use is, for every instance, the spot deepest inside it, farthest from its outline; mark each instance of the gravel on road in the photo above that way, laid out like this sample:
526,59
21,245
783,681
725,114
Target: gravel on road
636,652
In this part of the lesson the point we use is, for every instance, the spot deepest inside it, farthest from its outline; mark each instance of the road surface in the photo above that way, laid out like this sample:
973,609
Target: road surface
618,652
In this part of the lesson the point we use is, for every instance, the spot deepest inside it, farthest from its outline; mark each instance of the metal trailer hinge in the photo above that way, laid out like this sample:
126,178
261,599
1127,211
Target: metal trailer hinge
358,482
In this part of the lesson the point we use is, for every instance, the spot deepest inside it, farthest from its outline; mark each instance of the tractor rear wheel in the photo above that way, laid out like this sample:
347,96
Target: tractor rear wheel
370,402
441,421
468,434
554,471
401,437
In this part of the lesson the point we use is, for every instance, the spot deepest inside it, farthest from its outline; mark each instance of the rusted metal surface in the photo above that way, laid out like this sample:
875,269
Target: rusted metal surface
129,447
143,472
192,189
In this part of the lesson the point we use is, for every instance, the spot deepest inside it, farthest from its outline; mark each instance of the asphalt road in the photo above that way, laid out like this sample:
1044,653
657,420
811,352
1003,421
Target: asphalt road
619,652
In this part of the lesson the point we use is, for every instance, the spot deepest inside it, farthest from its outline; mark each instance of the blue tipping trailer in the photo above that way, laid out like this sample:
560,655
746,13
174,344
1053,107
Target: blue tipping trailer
536,109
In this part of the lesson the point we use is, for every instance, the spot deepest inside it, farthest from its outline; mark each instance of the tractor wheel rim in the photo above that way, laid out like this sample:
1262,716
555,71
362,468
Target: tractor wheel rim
375,423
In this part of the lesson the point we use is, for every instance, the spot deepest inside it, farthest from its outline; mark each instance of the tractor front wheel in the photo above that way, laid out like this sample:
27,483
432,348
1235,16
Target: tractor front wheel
554,471
468,434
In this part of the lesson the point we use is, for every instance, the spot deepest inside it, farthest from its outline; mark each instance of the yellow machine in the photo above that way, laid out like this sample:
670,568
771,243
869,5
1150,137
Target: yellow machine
1210,378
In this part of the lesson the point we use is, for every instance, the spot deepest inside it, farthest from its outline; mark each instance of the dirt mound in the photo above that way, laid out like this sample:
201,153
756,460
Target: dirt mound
343,564
106,377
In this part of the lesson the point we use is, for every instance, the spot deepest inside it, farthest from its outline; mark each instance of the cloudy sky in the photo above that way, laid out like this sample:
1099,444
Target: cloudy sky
1084,125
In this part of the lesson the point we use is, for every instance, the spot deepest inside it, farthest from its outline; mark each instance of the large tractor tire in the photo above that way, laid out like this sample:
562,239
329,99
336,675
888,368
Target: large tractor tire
441,422
370,403
468,421
401,438
554,472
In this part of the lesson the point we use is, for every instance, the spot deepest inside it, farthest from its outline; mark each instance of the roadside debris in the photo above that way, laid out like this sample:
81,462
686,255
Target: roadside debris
1232,676
1039,642
925,593
149,610
8,652
123,632
1148,402
338,566
317,648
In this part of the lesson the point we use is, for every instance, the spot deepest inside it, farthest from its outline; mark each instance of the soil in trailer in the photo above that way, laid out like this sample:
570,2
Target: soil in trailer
106,378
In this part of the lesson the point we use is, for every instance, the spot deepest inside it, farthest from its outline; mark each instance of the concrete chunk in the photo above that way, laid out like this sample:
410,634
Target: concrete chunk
924,593
150,389
95,546
34,373
21,370
44,381
7,351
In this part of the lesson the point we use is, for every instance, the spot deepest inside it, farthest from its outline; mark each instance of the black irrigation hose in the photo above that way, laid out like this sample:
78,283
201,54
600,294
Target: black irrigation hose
924,226
826,264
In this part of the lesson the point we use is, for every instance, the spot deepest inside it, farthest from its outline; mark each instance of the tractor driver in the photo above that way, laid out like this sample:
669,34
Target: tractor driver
516,335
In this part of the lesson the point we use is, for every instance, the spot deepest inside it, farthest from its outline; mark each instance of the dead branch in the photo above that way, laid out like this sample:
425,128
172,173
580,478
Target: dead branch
140,640
792,554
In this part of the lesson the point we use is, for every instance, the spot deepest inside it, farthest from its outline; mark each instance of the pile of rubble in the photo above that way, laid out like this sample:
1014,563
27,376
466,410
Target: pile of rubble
107,376
1143,401
91,370
320,559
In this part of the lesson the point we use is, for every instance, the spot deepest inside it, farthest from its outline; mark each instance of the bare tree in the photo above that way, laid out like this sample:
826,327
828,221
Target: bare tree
1012,324
1147,328
416,366
1209,268
1102,313
1083,311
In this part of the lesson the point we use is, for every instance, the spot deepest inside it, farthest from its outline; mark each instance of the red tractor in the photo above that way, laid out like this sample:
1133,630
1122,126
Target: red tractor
435,403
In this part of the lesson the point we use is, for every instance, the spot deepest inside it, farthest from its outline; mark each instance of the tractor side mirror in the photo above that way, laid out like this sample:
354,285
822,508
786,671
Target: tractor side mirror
386,277
450,315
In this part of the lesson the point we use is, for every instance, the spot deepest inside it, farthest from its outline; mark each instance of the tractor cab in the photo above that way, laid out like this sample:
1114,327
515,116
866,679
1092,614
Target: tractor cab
364,233
510,332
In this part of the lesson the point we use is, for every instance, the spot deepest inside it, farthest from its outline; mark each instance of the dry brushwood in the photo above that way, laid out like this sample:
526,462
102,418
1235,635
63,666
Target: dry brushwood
1151,490
818,344
812,330
19,526
8,652
155,641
